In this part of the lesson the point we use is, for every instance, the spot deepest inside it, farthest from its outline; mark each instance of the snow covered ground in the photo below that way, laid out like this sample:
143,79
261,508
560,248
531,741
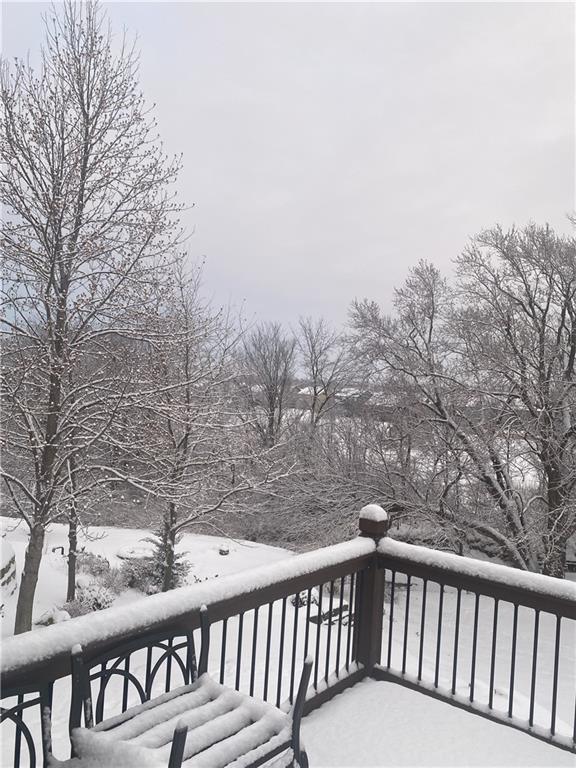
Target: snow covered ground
379,724
383,724
201,551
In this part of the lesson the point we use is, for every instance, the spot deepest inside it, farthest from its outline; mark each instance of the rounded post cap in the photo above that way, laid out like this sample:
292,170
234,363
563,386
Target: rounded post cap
374,521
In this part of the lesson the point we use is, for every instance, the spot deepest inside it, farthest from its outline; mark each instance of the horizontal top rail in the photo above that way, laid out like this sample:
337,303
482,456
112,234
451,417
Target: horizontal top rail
44,655
502,582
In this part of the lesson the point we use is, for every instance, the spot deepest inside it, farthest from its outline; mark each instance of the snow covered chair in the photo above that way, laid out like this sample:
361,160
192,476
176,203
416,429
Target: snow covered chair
202,724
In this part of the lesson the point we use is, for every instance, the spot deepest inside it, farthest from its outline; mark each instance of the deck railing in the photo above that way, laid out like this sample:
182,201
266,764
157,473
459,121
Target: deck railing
487,638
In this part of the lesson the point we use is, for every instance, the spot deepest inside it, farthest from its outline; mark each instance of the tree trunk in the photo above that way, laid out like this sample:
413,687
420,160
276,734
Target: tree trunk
29,580
555,562
270,429
72,534
72,552
169,545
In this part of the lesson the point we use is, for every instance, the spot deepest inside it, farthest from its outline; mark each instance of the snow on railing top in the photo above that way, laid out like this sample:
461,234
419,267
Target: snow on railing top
546,586
32,648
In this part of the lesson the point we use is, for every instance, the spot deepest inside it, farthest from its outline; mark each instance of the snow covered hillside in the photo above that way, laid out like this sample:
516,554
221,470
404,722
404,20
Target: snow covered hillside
202,552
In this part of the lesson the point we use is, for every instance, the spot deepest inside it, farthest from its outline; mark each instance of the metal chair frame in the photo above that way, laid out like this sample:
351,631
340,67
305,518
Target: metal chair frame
82,693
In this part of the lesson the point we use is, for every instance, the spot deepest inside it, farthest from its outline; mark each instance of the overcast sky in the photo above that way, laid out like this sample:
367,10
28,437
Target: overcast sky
329,147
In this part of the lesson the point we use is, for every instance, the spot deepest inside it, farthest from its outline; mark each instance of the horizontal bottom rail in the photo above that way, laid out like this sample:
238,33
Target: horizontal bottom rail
334,685
456,700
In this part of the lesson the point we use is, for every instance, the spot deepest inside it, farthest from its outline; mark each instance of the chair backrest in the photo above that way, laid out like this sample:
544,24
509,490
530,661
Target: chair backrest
168,651
298,707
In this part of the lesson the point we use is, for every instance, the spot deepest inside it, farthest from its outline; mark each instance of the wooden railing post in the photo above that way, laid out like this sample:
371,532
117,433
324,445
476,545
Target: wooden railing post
369,611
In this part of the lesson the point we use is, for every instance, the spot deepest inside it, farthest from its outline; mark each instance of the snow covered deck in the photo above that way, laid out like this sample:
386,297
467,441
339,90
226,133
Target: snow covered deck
384,724
494,640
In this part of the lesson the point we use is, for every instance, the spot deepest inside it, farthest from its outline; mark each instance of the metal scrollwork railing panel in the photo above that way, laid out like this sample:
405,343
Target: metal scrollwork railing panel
28,742
135,673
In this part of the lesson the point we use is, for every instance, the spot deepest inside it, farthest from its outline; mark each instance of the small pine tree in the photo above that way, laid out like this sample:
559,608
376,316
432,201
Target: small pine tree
168,568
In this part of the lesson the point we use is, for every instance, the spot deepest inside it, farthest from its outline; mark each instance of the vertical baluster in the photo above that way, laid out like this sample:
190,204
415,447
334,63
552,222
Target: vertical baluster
406,622
101,693
329,637
168,666
18,734
307,627
534,666
223,651
239,651
513,661
281,653
422,627
474,646
294,647
254,645
46,699
439,635
493,653
555,679
339,636
317,652
268,642
456,639
125,684
351,627
391,619
190,659
148,682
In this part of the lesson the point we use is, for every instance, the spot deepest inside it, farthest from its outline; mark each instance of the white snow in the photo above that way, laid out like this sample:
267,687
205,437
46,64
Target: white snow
225,727
278,684
383,724
136,552
201,551
374,512
98,751
8,582
30,647
467,566
398,727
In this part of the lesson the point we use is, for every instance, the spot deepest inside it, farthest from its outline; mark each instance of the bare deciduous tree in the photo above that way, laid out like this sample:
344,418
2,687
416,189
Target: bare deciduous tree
87,228
269,358
181,439
492,366
324,365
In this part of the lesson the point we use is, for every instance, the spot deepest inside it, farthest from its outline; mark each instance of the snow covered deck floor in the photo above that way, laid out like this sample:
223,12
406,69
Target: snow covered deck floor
384,724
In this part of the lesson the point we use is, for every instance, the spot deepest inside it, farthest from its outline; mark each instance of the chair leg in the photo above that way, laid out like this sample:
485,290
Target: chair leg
178,744
303,760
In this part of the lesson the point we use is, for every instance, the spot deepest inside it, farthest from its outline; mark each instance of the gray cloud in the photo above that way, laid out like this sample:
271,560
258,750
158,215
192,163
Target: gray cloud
328,147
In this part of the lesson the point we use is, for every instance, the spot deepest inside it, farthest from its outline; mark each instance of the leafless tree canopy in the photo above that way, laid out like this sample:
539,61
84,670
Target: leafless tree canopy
489,363
269,371
89,227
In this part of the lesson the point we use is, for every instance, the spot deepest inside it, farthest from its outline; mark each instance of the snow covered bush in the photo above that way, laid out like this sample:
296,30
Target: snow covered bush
140,574
93,597
114,579
89,562
52,616
96,597
147,574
